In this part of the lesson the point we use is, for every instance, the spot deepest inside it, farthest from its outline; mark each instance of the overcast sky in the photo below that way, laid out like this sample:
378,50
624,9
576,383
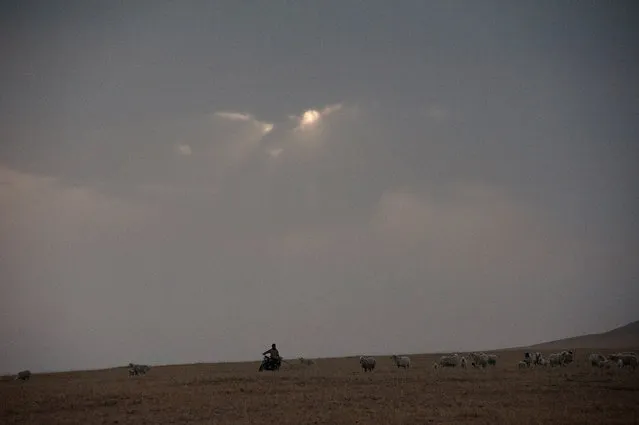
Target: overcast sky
192,181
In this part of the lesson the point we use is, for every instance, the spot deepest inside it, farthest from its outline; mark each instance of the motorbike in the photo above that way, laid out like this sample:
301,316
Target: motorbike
269,363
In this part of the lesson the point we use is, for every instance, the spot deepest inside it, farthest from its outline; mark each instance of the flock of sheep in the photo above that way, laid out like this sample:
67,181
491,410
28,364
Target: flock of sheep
477,360
368,363
564,358
138,369
453,360
482,360
621,360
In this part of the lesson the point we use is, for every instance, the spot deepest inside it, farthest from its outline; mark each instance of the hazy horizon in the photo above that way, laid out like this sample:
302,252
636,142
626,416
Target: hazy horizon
190,182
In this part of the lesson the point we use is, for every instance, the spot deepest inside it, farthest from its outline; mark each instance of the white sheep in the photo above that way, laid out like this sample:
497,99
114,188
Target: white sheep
595,359
624,360
555,359
463,362
605,364
449,361
537,357
401,361
479,359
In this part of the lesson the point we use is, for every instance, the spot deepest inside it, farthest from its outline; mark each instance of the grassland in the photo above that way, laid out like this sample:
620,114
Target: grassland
334,391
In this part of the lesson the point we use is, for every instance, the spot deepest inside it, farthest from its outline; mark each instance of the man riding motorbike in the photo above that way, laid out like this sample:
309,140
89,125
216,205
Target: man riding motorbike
273,361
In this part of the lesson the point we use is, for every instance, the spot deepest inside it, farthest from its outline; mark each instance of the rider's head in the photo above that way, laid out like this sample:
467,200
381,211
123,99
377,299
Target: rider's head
272,345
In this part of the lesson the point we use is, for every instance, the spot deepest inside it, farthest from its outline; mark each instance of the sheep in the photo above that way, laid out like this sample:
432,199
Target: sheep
563,358
307,362
479,360
535,358
530,358
615,356
24,375
567,357
595,359
605,364
624,360
523,364
492,359
555,359
449,361
463,363
401,361
435,365
137,369
367,363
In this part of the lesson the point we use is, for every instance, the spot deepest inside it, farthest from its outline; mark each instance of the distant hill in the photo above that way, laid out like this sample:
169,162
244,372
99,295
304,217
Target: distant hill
623,337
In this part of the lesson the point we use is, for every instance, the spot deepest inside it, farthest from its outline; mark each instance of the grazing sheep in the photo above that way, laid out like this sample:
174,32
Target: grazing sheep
563,358
435,365
605,364
523,364
479,359
567,357
449,361
401,361
595,359
138,369
24,375
624,360
307,362
367,363
532,358
537,357
492,359
463,363
555,359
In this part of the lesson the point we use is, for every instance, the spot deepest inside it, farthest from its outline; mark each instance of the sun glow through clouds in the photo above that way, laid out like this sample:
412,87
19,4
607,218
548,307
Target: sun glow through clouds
309,118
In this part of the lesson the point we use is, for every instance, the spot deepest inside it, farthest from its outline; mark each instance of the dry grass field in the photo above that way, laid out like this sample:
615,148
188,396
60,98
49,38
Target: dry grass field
334,391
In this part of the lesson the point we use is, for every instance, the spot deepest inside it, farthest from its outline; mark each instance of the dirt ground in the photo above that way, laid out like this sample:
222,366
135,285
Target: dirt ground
334,391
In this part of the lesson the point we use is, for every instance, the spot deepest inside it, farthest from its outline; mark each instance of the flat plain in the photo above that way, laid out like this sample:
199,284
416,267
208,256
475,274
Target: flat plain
333,391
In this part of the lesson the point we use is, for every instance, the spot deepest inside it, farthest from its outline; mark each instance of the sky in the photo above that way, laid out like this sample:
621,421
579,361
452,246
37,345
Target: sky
192,181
